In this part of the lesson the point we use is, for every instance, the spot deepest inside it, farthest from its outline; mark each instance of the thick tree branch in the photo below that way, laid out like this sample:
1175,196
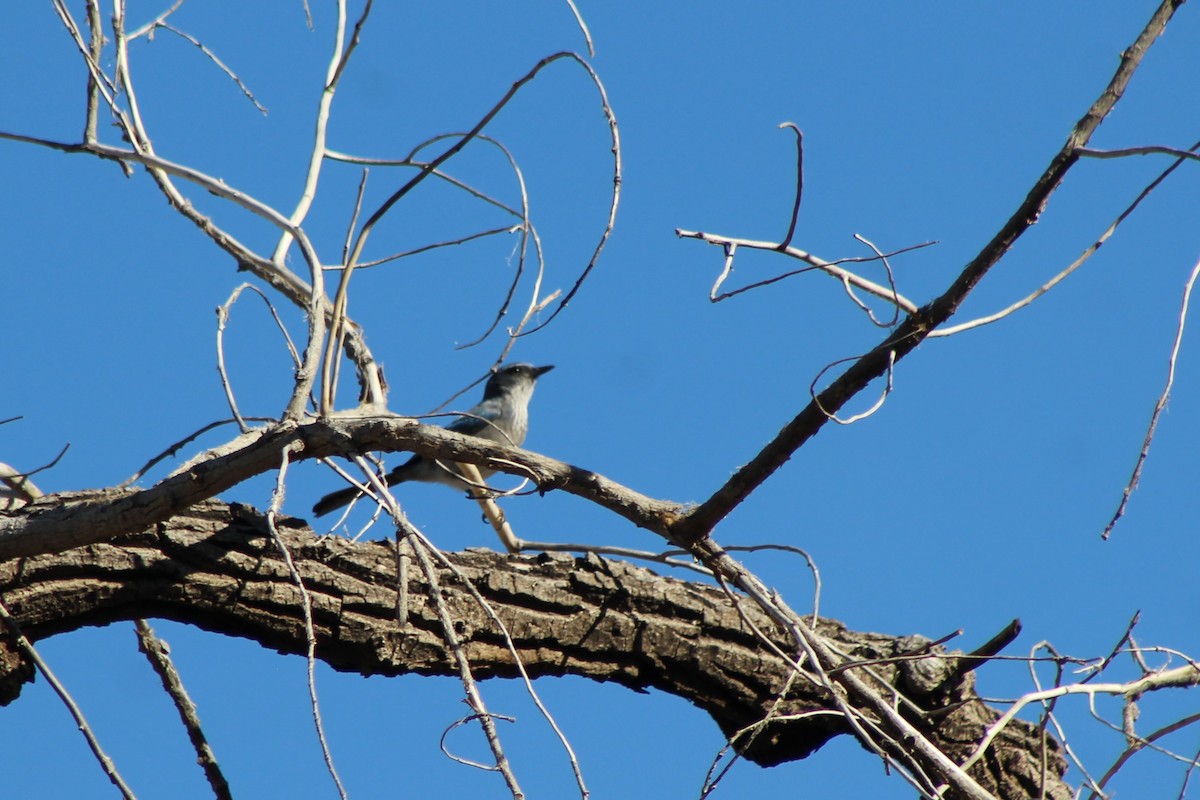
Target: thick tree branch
218,569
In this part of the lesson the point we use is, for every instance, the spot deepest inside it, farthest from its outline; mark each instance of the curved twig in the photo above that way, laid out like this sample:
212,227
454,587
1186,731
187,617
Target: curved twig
787,240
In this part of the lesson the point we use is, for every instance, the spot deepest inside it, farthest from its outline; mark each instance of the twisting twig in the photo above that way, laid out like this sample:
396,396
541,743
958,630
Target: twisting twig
1158,407
1048,716
832,415
887,266
19,483
830,268
223,312
787,240
306,606
159,656
615,201
25,646
526,228
466,762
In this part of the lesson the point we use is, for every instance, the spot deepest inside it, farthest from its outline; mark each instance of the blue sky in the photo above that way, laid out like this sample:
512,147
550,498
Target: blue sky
976,495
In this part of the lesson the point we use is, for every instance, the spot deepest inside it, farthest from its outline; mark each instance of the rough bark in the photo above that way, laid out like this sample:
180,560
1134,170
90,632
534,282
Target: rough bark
217,568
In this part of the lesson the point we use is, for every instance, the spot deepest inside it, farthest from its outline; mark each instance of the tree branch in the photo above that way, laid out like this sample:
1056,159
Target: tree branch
218,568
918,326
59,522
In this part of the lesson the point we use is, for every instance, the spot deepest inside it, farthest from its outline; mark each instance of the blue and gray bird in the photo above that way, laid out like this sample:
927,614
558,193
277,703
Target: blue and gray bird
502,416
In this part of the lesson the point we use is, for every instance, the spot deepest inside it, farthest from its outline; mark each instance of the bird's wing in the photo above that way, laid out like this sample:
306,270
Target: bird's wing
478,420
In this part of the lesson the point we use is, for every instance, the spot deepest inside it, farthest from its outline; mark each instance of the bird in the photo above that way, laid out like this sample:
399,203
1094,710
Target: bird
502,416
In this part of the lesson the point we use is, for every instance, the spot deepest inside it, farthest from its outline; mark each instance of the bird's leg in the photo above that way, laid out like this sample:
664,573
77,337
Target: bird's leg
490,509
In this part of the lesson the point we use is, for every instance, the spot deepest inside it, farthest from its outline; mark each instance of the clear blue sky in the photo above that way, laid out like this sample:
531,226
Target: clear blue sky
976,495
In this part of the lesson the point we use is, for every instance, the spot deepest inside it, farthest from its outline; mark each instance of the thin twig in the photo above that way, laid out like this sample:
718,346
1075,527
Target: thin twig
887,266
19,482
587,35
1190,153
512,649
1141,745
615,201
233,76
338,58
887,389
149,27
416,251
306,606
466,762
26,647
177,446
787,240
422,546
1158,407
1074,265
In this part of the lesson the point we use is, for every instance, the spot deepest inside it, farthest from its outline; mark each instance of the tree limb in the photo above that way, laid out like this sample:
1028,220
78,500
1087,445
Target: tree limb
216,567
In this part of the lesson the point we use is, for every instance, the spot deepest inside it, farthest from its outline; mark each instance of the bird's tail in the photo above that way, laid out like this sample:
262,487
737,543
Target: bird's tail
334,500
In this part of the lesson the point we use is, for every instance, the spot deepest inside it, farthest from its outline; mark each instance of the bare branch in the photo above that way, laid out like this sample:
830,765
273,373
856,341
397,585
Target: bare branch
1190,153
159,655
1158,407
232,579
787,240
917,327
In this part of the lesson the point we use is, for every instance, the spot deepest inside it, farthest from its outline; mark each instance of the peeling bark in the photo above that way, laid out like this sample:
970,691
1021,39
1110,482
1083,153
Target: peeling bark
217,568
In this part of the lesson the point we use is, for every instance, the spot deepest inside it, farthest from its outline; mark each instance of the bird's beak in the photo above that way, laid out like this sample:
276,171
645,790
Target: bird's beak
540,371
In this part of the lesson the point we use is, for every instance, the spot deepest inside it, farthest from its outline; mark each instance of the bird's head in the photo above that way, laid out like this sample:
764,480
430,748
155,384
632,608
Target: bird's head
514,378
